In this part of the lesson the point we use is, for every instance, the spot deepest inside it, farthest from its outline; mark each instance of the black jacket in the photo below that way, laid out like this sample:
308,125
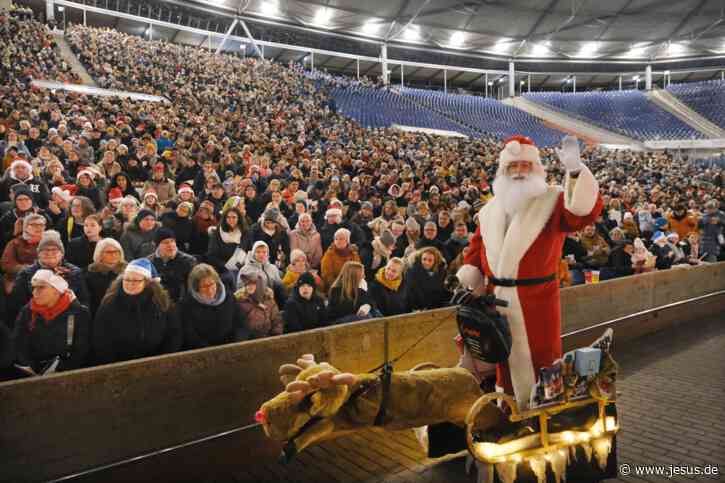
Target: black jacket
98,278
279,241
389,302
36,343
425,291
302,314
339,308
80,251
620,262
23,291
219,251
182,228
129,327
207,325
174,273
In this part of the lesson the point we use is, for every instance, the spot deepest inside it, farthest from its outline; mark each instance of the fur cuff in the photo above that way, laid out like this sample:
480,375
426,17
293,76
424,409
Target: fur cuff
470,277
581,193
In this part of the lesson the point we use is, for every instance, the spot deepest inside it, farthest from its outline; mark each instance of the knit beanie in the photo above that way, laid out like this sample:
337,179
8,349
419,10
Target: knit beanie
143,214
51,238
306,279
48,277
387,238
271,214
164,233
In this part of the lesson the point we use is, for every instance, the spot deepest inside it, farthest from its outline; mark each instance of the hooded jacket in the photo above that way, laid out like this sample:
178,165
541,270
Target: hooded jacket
262,319
309,242
207,324
133,326
302,314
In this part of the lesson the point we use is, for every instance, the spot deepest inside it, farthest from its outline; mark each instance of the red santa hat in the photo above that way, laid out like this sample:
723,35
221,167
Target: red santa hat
519,148
65,195
185,188
115,194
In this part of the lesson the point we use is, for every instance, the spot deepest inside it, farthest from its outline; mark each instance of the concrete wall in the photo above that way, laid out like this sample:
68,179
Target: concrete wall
70,422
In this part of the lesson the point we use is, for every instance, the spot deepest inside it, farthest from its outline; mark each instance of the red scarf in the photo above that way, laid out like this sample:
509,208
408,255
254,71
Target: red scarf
50,313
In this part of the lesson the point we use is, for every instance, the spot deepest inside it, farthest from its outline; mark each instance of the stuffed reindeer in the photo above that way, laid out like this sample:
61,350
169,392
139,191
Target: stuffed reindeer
319,402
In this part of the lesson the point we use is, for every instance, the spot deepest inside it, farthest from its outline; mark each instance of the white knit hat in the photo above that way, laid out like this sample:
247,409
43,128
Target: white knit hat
333,212
519,148
48,277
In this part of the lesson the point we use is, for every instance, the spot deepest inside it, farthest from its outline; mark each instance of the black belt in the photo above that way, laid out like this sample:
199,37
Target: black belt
521,282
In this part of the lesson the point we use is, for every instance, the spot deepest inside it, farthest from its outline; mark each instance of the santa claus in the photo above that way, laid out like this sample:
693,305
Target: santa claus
517,247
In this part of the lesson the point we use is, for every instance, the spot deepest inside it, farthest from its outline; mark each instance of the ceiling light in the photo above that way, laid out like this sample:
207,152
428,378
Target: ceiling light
457,39
667,72
412,33
568,80
521,83
371,27
541,49
323,16
635,78
490,83
269,8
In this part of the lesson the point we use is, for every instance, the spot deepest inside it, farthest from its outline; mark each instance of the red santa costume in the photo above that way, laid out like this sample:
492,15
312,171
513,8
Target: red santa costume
519,253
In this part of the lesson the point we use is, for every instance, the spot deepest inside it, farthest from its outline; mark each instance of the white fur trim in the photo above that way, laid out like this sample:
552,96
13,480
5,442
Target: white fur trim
133,268
581,193
504,251
514,151
470,276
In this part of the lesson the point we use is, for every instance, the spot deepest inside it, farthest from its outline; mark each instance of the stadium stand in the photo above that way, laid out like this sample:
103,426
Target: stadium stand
707,98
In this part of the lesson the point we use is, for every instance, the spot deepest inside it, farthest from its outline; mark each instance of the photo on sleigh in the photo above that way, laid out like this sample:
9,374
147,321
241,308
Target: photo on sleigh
550,387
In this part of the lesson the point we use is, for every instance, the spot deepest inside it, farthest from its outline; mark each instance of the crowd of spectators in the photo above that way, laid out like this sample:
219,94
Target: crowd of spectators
246,207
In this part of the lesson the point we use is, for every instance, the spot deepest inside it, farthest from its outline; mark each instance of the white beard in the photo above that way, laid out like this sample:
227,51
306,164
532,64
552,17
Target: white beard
514,194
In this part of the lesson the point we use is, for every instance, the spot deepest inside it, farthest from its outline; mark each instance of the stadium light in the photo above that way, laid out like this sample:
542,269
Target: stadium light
371,27
457,39
588,49
490,83
675,49
541,49
635,78
323,16
269,8
412,33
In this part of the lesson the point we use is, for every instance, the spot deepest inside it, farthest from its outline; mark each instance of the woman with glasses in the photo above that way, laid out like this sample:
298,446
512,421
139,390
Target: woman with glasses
209,314
108,264
136,317
22,250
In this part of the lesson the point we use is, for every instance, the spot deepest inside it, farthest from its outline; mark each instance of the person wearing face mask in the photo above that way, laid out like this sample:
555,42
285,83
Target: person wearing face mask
136,318
53,325
305,309
51,255
22,250
108,264
209,314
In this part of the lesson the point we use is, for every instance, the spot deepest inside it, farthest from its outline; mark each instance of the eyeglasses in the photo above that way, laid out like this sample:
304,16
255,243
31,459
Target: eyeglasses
111,252
50,250
37,225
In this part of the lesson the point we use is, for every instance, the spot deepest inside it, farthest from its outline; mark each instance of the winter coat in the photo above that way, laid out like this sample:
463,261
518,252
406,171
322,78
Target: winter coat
132,326
174,273
620,262
339,308
68,229
18,254
206,325
261,319
41,194
93,194
389,301
219,251
182,228
710,234
302,314
453,247
425,290
310,243
332,263
682,226
597,249
98,278
7,350
165,189
80,251
278,243
38,342
664,254
23,291
327,233
137,243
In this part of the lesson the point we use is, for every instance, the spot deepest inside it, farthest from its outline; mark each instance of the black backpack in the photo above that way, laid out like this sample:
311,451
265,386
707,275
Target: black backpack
484,330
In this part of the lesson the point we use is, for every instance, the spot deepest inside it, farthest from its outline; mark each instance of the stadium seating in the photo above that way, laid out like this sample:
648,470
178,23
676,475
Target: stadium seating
706,98
487,115
627,112
377,108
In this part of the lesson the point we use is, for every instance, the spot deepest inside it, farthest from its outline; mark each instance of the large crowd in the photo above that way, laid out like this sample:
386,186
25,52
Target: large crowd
247,207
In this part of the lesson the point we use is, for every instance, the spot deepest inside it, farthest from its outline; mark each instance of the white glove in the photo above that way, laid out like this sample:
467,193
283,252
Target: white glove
364,310
569,154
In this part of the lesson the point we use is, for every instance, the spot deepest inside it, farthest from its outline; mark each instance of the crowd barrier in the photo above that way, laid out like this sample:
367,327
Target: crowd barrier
201,403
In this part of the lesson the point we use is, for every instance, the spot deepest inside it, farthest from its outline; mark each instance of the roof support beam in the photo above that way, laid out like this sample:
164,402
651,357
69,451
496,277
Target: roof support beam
450,81
543,82
372,66
226,36
438,71
687,18
475,79
408,24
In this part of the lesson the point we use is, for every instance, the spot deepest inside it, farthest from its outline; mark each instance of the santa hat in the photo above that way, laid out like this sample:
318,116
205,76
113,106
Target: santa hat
519,148
628,216
115,194
185,188
150,192
658,235
48,277
86,172
143,267
65,195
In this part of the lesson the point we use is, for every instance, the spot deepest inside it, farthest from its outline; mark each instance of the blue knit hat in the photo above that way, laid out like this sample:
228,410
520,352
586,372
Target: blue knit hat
660,223
657,235
143,267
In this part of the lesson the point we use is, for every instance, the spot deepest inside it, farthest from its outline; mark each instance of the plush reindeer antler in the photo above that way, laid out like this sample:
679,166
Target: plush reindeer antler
288,373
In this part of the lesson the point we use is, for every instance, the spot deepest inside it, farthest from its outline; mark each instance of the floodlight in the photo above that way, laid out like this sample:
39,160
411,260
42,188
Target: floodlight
269,8
457,39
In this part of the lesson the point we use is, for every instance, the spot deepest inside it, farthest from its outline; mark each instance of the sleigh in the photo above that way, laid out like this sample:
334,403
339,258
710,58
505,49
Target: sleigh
548,443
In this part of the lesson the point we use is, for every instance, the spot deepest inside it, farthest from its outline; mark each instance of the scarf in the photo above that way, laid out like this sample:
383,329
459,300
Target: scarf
345,252
234,236
393,285
221,295
50,313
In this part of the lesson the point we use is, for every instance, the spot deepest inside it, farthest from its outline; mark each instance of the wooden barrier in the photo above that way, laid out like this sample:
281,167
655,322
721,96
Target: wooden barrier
66,423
